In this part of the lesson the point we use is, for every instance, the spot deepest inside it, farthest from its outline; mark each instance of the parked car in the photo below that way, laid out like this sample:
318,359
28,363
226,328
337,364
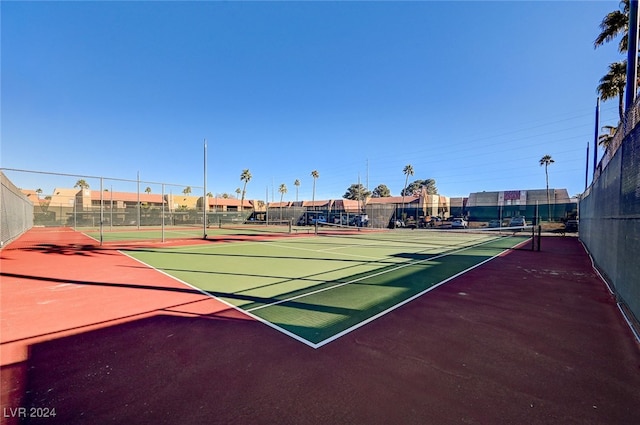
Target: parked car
396,224
571,226
319,219
518,221
459,223
361,220
411,223
494,223
431,221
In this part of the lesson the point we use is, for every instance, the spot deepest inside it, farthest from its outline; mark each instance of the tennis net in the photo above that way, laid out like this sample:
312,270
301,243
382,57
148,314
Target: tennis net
256,226
524,238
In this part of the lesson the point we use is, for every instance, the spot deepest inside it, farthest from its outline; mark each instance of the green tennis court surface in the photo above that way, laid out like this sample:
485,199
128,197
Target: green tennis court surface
317,288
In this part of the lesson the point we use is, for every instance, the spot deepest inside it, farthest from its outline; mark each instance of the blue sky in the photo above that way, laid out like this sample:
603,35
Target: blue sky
471,94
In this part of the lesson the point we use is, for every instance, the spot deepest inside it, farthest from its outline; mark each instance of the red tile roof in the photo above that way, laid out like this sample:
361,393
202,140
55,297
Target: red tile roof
393,200
229,202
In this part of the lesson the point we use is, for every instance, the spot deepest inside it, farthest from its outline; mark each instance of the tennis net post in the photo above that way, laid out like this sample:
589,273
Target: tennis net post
539,236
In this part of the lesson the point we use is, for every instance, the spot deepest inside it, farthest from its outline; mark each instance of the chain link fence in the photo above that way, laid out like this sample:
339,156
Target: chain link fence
103,204
16,212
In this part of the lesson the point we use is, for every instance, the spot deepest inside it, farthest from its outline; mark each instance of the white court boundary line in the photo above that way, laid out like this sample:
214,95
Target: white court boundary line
249,312
203,292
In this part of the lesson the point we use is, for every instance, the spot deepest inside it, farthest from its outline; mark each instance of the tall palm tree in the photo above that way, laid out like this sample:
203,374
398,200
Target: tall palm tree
245,177
282,189
546,161
614,24
613,83
297,185
407,171
315,176
147,190
187,190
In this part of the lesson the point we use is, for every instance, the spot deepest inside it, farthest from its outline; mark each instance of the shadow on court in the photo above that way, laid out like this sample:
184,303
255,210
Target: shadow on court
529,338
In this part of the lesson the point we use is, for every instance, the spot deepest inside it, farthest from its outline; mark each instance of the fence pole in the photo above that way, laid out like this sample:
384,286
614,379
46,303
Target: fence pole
205,202
101,209
162,219
138,203
632,56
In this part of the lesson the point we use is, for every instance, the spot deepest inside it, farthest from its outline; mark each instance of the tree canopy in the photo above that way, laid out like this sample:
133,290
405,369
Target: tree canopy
357,191
81,184
381,191
416,187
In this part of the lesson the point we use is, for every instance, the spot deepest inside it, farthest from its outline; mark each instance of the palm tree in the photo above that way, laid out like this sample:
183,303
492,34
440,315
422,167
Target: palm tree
613,83
315,176
147,190
606,138
81,184
407,171
297,185
38,192
238,192
245,177
614,24
282,189
187,190
546,161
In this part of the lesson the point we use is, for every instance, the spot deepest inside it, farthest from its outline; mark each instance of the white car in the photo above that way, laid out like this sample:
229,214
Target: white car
459,223
518,221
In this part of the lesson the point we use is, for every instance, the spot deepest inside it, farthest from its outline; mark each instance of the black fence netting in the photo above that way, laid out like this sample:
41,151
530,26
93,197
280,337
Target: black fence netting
379,215
291,214
610,222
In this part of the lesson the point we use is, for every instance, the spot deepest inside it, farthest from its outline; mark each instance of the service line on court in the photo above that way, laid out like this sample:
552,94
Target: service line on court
298,248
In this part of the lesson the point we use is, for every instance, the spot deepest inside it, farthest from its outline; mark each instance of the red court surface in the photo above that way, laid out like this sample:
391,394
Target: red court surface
528,338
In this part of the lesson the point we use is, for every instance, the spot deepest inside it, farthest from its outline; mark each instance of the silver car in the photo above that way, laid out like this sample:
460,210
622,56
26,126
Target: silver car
459,223
518,221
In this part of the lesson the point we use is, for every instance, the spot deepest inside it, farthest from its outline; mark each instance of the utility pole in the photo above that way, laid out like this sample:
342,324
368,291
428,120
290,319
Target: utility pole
632,57
586,171
595,137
